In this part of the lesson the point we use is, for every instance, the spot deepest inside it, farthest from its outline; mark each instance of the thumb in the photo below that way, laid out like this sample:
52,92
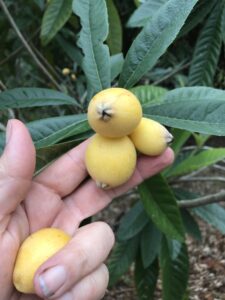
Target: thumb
17,165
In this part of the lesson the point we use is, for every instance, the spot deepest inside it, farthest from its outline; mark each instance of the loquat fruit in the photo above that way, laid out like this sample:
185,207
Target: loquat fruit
110,162
114,112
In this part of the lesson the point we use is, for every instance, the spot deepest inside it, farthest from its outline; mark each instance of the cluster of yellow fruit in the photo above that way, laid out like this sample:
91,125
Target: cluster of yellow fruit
115,114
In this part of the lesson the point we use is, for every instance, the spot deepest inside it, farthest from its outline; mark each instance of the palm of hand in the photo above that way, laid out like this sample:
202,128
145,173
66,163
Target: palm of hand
57,197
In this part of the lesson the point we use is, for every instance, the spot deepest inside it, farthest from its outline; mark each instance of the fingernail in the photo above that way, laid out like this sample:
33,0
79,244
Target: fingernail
51,280
8,131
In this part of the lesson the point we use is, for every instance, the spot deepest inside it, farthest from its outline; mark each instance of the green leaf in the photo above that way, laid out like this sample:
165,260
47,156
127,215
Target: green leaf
150,244
213,214
144,13
132,223
200,139
114,39
96,61
198,109
71,51
146,279
200,160
154,39
2,142
160,204
175,268
223,23
122,256
200,11
33,97
55,16
180,138
46,132
116,64
48,154
191,225
148,93
207,51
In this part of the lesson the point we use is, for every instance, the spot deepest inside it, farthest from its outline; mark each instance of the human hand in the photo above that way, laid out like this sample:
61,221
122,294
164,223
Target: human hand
58,197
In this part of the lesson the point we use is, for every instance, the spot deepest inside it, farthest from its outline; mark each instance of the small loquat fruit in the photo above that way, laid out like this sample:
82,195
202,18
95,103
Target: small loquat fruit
150,137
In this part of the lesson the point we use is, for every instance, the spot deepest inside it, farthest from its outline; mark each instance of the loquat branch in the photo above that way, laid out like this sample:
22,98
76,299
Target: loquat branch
209,199
27,46
200,178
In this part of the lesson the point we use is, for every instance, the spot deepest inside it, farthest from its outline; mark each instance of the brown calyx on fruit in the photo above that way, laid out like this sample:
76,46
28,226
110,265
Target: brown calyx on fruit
104,111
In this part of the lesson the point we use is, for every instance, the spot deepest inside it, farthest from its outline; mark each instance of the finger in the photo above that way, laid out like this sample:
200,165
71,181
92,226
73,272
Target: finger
17,165
91,287
84,253
66,173
88,199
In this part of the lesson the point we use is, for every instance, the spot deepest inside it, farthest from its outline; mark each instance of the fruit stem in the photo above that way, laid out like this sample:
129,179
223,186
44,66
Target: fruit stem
102,185
169,138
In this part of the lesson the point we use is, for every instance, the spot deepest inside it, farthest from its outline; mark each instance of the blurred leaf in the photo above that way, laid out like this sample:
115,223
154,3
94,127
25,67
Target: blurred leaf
191,225
114,39
2,142
223,23
200,11
175,268
180,138
121,258
207,51
200,160
132,222
200,139
160,204
96,61
199,109
150,244
33,97
71,51
116,63
46,132
144,13
154,39
213,214
148,93
146,279
47,154
55,16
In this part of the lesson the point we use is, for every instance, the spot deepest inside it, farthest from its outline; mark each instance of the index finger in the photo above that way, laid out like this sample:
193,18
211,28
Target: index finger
67,172
88,199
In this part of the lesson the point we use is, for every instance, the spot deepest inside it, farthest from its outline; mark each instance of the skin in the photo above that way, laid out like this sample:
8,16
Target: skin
58,197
